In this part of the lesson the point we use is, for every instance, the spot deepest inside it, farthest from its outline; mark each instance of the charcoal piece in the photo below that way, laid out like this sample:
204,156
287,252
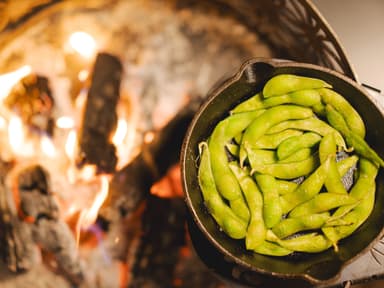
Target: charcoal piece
31,99
54,236
17,248
130,185
162,236
100,118
33,177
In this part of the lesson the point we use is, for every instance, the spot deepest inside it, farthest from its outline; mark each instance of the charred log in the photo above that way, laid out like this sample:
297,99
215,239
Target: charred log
131,185
100,118
163,235
31,99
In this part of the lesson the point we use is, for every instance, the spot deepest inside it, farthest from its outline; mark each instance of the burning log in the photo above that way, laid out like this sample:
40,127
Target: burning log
31,99
32,219
131,185
100,118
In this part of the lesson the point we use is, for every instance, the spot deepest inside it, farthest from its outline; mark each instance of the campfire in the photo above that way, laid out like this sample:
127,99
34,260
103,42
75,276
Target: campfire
58,167
91,120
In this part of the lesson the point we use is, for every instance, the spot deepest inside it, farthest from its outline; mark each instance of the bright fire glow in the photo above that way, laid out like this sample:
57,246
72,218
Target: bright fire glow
121,132
3,123
17,140
88,172
65,122
8,80
88,216
83,75
70,144
83,43
47,146
15,133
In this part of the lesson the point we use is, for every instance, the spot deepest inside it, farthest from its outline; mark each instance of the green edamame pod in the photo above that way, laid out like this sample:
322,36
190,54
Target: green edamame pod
272,249
251,104
272,211
327,148
285,187
265,121
359,145
309,243
297,156
321,203
351,116
295,143
306,190
345,164
226,183
271,141
306,98
256,229
261,157
231,224
364,189
310,124
286,83
367,173
286,171
290,226
233,149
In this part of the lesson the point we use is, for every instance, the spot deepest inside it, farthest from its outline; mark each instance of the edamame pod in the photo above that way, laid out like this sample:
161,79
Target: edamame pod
307,98
286,171
351,116
285,187
297,156
309,243
321,203
271,141
306,190
231,224
226,182
295,143
272,211
353,140
256,229
311,124
290,226
364,188
327,148
272,249
269,118
286,83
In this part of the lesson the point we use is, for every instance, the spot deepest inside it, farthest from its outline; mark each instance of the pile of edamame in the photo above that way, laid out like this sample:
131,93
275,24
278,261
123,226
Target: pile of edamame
293,129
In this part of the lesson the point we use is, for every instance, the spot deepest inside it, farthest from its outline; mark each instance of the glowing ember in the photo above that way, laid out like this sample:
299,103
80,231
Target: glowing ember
65,122
70,144
7,81
83,43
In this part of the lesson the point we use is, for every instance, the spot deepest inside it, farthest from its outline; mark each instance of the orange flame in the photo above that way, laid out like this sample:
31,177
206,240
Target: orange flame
8,80
88,216
83,43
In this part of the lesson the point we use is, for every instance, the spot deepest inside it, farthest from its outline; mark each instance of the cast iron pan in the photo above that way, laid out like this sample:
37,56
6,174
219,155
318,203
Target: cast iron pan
302,269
